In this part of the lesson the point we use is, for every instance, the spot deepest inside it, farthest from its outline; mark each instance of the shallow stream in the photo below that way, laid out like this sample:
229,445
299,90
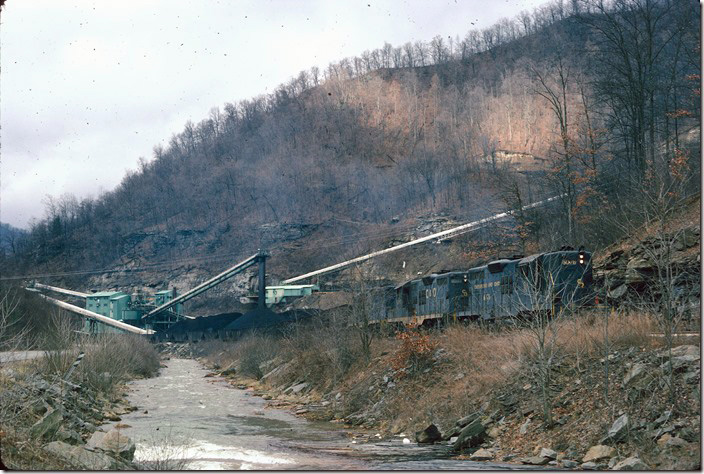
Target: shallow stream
188,421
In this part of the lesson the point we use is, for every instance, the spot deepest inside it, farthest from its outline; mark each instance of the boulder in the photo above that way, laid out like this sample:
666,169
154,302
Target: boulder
113,442
637,376
670,441
681,363
664,418
462,422
569,464
589,466
48,425
94,439
298,388
598,453
81,458
631,464
471,436
69,436
535,460
684,350
494,432
548,453
619,430
692,377
617,292
524,427
482,455
111,416
429,435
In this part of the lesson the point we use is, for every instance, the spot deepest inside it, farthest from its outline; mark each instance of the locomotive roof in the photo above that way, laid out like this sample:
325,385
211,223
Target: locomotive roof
528,259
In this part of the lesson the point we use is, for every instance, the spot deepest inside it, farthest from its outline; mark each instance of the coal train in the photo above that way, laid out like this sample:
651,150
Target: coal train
502,289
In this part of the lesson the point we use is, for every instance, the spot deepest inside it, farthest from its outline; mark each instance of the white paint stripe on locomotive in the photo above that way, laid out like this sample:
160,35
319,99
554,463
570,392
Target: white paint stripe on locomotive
445,234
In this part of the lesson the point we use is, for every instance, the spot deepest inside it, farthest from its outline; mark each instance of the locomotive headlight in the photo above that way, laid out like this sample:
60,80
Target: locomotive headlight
581,258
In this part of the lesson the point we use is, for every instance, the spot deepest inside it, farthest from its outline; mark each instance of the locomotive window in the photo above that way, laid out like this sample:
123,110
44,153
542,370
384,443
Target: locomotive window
421,297
506,284
442,282
476,276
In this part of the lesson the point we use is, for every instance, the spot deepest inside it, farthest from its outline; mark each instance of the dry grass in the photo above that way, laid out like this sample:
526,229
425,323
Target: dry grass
586,335
492,357
479,360
468,363
112,359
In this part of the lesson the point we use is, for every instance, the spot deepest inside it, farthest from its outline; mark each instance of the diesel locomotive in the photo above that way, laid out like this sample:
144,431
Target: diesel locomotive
502,289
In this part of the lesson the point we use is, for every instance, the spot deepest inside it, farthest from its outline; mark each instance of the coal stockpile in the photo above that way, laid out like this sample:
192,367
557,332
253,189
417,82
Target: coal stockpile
266,319
198,328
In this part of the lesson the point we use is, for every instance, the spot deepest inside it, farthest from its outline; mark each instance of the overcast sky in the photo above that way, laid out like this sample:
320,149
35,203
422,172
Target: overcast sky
88,87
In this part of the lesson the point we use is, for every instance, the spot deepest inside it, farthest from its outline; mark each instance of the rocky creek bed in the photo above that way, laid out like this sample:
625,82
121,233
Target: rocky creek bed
187,419
638,429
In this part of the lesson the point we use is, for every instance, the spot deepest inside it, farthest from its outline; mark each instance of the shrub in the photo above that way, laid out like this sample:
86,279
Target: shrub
111,359
415,353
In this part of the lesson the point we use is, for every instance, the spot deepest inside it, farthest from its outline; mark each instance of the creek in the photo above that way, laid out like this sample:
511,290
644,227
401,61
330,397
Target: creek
185,420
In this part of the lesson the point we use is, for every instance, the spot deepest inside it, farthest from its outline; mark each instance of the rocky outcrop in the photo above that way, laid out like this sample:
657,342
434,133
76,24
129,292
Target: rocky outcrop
633,272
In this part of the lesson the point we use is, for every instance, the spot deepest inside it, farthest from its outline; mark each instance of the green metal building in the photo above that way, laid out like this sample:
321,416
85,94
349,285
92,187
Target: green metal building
121,306
287,293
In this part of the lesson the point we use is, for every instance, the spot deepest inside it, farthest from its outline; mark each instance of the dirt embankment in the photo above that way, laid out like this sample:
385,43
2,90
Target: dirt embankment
600,402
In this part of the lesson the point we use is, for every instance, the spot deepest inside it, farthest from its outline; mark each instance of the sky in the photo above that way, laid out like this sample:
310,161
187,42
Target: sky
89,87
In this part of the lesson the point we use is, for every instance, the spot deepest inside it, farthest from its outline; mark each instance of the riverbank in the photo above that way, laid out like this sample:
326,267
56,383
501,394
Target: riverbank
604,403
52,407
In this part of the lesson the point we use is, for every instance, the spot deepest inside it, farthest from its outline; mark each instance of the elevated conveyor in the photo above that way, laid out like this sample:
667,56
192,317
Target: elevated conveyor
258,258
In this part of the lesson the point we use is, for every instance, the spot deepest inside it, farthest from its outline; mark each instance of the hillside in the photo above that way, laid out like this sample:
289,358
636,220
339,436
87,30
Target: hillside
335,165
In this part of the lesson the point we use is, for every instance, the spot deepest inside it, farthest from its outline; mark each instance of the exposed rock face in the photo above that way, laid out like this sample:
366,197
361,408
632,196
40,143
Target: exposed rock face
429,435
633,272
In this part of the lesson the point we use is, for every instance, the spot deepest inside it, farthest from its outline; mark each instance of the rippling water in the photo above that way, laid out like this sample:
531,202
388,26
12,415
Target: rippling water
188,421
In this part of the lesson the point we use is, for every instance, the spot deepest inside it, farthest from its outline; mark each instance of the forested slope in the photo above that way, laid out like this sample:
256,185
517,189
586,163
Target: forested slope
590,102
